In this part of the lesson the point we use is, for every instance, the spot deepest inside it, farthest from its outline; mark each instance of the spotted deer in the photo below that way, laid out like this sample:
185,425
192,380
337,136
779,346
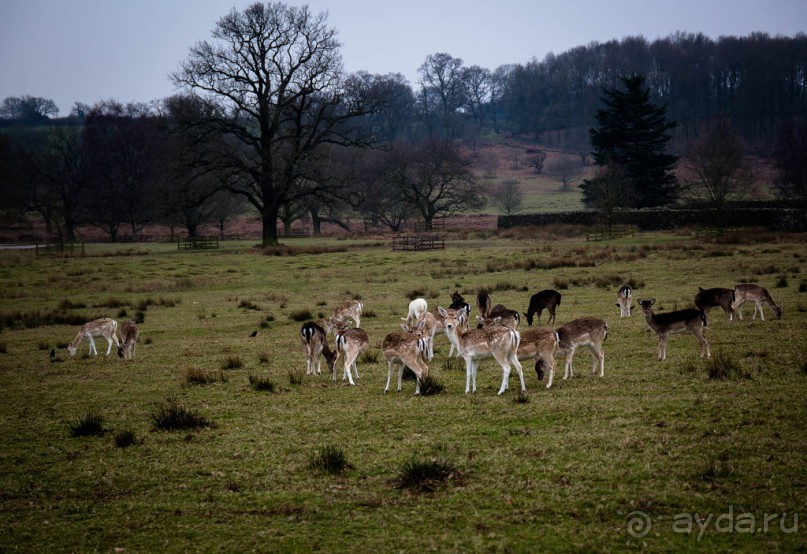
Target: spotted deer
624,299
506,317
585,331
128,335
709,298
314,340
540,345
350,342
406,349
351,309
105,327
681,321
496,342
759,296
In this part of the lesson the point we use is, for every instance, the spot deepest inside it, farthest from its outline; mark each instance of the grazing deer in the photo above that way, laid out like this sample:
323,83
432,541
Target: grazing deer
315,343
406,349
759,296
508,318
105,327
709,298
496,341
624,299
546,299
349,344
539,344
417,307
584,331
351,309
483,303
459,303
689,320
128,335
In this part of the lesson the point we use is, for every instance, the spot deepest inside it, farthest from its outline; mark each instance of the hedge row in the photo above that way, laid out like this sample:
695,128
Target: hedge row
775,219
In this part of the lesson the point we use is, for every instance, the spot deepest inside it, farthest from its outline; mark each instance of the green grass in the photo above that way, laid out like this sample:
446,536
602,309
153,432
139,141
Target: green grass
567,468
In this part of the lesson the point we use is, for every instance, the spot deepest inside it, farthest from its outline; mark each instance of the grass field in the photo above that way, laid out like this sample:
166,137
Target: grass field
681,455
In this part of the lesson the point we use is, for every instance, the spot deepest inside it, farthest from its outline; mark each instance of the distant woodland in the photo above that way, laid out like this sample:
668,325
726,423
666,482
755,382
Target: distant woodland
106,161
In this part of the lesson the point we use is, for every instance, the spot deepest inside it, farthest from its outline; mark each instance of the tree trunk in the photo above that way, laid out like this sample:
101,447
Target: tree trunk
316,222
269,219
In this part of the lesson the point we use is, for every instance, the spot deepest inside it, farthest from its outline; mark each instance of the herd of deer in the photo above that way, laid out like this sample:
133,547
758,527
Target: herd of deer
495,336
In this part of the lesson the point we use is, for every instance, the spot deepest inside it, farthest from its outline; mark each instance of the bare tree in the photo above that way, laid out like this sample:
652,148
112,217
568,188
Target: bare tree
537,161
565,168
507,196
434,178
718,166
27,108
276,71
791,161
442,91
478,83
609,189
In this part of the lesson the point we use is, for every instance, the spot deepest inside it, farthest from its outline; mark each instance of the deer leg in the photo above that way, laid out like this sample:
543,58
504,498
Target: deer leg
92,347
520,370
549,361
662,347
568,370
505,373
389,375
597,355
468,370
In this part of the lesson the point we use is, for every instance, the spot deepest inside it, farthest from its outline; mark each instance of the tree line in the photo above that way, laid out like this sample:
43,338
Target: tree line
269,120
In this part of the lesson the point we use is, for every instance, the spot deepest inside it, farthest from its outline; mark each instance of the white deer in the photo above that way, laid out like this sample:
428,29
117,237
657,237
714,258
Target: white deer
624,298
349,344
417,307
585,331
351,309
105,327
497,342
315,343
406,349
759,296
689,320
539,344
129,334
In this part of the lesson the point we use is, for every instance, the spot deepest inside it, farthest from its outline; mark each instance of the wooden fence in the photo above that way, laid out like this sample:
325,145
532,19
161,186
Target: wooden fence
197,243
63,248
607,233
417,242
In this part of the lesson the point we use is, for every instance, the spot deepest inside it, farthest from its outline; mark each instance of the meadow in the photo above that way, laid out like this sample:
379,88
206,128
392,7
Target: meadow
682,455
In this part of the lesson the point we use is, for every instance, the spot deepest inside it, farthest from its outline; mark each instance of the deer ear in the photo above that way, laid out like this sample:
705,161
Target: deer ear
652,301
405,327
441,311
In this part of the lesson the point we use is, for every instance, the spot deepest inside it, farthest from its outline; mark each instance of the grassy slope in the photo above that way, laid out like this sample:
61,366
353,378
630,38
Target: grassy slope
562,471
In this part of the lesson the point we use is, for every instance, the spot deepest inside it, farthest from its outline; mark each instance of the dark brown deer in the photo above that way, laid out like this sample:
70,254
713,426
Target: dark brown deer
545,300
681,321
315,343
483,303
707,299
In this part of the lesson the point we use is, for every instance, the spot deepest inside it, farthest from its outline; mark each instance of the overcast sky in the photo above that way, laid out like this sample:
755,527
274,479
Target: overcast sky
92,50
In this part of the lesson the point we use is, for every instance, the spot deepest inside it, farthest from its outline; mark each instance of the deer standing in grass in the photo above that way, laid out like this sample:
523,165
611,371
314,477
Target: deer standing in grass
105,327
483,303
417,308
548,300
349,344
351,309
624,299
315,344
709,298
128,335
496,341
759,296
506,317
406,349
540,345
585,331
689,320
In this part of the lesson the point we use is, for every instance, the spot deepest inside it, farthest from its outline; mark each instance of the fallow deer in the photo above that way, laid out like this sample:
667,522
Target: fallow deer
105,327
496,341
459,303
689,320
624,299
128,335
545,300
539,344
585,331
406,349
506,317
351,309
759,296
314,340
483,303
417,307
709,298
350,342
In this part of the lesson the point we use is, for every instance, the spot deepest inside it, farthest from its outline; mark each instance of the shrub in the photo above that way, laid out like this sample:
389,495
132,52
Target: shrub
261,383
198,376
430,385
560,284
781,283
172,415
522,397
263,358
295,377
91,423
722,366
127,438
330,459
301,315
803,286
247,305
426,475
232,362
369,357
3,348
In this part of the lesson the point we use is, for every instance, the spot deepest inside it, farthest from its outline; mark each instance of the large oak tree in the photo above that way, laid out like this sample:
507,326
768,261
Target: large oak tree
277,72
